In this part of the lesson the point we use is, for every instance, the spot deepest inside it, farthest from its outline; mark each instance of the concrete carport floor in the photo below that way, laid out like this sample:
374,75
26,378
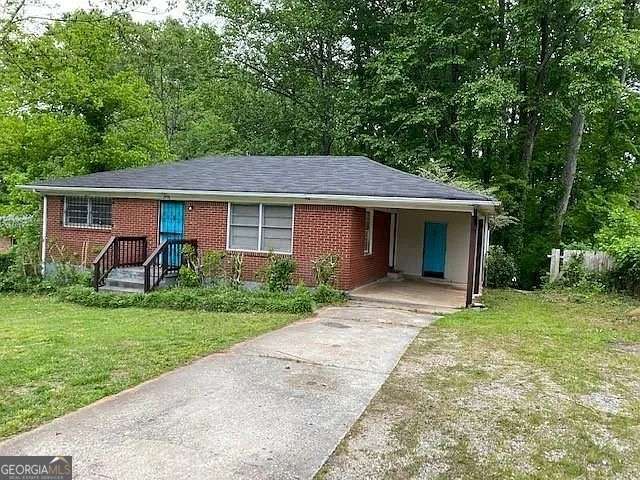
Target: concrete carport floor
273,407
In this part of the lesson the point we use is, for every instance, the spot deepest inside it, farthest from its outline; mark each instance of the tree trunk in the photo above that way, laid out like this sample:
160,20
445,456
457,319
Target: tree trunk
569,172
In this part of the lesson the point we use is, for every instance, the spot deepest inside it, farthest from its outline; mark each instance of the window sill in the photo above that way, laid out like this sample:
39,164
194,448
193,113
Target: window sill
85,227
257,253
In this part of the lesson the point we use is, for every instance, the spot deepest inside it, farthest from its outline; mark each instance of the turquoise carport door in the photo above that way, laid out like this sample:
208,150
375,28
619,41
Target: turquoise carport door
435,249
172,227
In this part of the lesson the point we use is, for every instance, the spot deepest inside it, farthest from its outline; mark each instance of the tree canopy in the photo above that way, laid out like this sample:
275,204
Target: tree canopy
537,100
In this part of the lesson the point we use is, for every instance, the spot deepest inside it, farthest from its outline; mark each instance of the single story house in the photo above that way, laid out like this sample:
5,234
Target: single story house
376,218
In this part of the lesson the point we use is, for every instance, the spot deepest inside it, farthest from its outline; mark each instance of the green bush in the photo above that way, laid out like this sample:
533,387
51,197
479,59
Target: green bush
620,237
502,271
213,266
6,260
276,274
575,275
325,269
66,274
188,277
325,294
206,299
627,264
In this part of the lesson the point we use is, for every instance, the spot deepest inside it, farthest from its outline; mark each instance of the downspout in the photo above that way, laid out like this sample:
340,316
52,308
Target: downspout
43,254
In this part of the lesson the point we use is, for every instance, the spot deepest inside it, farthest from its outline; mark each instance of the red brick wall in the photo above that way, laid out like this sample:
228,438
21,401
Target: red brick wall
367,268
318,229
129,217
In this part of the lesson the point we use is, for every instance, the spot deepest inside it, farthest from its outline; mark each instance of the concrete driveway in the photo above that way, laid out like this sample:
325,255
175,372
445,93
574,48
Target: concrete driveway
273,407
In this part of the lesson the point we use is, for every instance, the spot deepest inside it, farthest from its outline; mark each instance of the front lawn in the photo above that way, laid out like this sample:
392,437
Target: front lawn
56,357
538,385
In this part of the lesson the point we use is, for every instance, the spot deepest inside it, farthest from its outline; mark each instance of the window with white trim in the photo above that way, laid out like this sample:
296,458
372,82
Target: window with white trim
260,227
87,212
368,231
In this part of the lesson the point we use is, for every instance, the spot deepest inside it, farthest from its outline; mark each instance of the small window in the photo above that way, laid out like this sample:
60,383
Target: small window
87,212
265,228
368,232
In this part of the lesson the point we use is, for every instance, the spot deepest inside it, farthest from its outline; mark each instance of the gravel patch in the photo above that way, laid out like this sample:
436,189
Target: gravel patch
603,402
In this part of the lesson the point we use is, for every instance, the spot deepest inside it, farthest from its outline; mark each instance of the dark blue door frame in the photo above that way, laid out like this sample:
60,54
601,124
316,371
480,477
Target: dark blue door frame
434,249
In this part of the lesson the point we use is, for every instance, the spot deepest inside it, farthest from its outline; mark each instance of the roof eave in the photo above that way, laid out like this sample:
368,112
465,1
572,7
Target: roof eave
466,205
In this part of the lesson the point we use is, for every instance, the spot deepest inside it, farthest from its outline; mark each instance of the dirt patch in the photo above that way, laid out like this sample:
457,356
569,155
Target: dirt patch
455,408
627,347
602,402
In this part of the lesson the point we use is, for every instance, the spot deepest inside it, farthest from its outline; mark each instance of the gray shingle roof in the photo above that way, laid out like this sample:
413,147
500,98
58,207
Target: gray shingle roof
329,175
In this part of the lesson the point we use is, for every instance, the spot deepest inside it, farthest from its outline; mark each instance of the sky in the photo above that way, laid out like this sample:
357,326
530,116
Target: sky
155,10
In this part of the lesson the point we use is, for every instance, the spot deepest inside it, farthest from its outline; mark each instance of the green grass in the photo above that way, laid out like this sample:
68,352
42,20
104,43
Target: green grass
540,385
56,357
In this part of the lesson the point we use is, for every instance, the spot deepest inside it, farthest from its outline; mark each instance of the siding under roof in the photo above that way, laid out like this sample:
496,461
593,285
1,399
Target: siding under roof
320,175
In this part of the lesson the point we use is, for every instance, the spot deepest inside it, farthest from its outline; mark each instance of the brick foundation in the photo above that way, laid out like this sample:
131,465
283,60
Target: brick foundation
318,230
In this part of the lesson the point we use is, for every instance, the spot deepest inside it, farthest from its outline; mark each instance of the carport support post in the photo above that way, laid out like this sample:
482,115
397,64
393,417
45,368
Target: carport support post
473,232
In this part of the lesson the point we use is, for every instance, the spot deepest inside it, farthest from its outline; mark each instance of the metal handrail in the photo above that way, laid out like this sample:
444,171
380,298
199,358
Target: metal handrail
119,251
166,258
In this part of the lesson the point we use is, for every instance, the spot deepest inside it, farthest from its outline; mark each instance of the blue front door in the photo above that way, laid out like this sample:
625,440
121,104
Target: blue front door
172,227
435,249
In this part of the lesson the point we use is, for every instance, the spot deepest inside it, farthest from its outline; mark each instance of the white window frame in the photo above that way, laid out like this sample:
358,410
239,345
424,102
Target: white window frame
368,246
88,225
260,224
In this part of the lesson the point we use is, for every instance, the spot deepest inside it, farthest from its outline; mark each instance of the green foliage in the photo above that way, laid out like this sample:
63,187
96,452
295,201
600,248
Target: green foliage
205,299
188,277
276,274
501,268
576,276
22,265
65,274
326,294
72,103
325,269
480,96
11,225
213,265
6,260
620,237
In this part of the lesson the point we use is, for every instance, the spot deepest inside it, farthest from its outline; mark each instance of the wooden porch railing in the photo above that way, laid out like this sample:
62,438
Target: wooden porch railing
118,252
166,258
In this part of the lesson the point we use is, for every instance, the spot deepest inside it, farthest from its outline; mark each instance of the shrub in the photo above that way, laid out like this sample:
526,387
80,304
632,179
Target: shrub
325,269
206,299
66,274
576,275
627,264
620,237
6,260
277,273
188,277
501,268
325,294
212,265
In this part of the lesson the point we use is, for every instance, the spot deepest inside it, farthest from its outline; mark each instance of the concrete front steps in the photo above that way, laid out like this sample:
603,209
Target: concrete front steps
131,280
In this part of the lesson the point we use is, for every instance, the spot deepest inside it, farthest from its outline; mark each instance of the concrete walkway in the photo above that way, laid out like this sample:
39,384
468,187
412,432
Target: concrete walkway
271,408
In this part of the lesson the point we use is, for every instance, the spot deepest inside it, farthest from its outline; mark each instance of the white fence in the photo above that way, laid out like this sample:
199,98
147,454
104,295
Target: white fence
592,260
